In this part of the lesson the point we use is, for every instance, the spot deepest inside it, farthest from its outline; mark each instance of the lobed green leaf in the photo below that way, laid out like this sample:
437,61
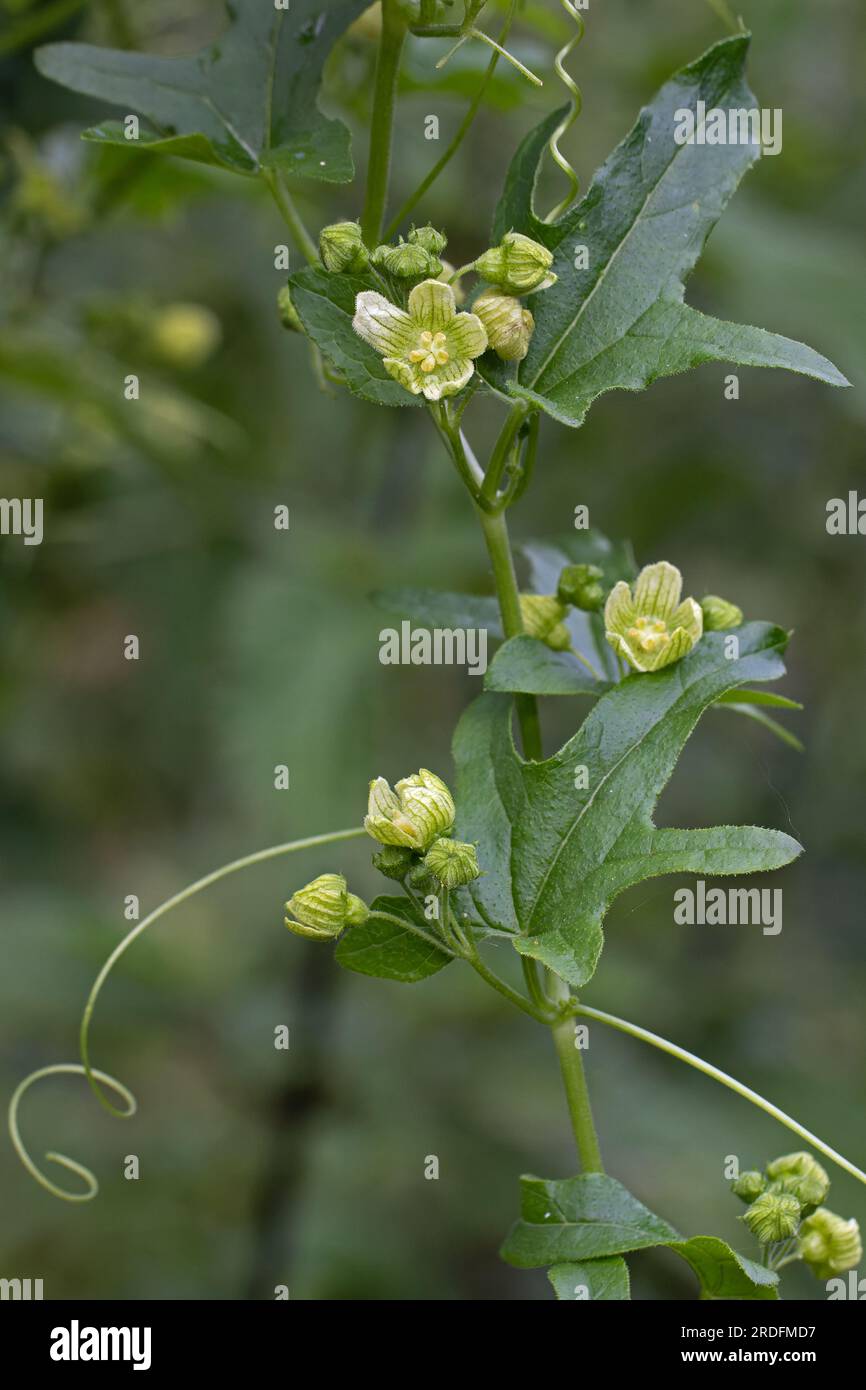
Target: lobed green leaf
555,853
246,103
582,1225
621,322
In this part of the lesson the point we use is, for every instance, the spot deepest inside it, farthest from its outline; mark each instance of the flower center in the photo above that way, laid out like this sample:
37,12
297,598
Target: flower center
650,634
431,352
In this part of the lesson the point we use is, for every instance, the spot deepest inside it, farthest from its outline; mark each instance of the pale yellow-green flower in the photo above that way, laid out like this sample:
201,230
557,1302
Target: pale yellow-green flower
416,812
323,908
649,626
829,1244
429,349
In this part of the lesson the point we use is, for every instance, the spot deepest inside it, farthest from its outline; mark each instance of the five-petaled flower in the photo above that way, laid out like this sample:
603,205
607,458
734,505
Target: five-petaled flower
650,627
429,349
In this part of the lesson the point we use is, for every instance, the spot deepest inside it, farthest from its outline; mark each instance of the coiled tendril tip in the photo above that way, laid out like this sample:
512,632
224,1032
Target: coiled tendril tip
575,107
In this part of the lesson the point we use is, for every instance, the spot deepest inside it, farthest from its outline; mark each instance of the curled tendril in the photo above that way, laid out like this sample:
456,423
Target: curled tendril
64,1068
97,1079
574,110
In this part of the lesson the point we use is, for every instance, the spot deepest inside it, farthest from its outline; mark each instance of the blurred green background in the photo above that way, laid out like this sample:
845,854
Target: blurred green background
260,647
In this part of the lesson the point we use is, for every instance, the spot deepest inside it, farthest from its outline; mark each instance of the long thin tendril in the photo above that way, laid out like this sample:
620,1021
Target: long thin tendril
717,1074
84,1068
61,1160
574,110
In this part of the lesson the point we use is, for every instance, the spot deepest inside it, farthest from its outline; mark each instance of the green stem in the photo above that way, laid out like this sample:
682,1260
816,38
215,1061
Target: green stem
502,451
249,859
462,131
292,218
499,549
512,995
382,121
737,1086
577,1095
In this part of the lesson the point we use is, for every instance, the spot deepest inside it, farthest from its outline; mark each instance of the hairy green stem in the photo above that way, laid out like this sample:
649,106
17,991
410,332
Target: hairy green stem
499,549
577,1096
382,122
503,451
292,218
525,1005
733,1085
273,852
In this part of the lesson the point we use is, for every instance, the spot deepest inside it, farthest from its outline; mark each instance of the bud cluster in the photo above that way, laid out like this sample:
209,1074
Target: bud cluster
413,822
784,1205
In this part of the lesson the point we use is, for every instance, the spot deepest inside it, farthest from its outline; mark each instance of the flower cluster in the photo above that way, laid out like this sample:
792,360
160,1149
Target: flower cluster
412,822
412,318
784,1210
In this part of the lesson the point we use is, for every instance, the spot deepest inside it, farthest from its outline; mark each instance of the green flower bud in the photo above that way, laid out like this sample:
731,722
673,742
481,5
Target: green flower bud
542,616
452,863
394,861
324,908
830,1245
579,586
414,814
405,261
342,248
509,326
802,1176
428,238
773,1216
287,311
518,265
749,1186
719,613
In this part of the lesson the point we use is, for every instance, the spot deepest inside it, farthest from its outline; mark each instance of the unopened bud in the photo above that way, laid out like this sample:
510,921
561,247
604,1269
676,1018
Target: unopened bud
802,1176
542,616
394,861
579,585
830,1245
509,326
749,1186
518,265
418,810
452,863
773,1216
324,908
719,613
341,247
406,261
428,238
